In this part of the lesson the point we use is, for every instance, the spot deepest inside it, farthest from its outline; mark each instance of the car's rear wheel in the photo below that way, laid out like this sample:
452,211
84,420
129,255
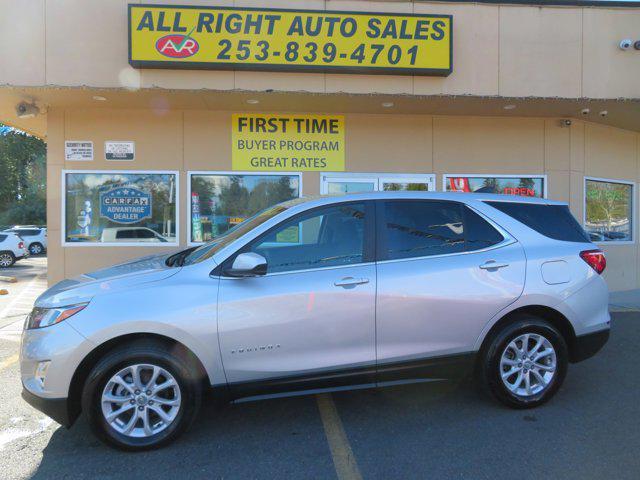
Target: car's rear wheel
525,363
140,397
7,259
35,249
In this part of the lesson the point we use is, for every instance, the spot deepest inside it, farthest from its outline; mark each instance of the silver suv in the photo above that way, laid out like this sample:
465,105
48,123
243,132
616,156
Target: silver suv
321,293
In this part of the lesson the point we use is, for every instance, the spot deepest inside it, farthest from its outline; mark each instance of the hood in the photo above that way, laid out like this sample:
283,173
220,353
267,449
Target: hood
107,280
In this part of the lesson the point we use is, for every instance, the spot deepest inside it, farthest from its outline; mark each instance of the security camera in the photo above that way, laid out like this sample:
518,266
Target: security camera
585,111
636,44
625,44
565,122
603,113
27,110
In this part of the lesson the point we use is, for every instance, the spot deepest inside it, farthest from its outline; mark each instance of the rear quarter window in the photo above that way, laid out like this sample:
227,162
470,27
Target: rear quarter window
552,221
2,238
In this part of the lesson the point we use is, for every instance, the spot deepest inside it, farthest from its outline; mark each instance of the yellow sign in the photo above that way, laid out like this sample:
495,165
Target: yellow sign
287,142
162,36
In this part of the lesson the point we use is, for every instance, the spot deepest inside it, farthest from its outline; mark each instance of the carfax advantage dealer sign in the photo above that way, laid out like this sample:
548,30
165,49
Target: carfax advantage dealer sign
193,37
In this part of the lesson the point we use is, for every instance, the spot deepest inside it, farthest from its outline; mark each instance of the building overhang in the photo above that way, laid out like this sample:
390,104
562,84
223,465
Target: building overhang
621,113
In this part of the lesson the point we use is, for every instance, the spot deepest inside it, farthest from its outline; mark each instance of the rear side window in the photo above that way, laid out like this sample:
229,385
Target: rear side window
28,233
552,221
2,238
419,228
478,232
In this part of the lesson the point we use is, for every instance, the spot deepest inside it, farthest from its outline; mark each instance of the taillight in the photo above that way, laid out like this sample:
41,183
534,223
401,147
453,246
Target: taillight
595,259
21,245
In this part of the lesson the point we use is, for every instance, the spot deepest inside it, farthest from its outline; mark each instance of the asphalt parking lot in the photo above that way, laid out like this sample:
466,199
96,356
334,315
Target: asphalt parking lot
591,429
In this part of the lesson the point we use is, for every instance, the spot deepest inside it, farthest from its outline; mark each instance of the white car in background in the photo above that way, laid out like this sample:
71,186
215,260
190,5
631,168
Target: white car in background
128,234
35,238
12,249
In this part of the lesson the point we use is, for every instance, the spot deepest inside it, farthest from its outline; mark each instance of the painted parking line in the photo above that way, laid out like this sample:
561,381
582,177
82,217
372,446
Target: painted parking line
343,459
7,362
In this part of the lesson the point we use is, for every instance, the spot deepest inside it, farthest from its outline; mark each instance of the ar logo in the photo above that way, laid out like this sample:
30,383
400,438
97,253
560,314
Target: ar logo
177,46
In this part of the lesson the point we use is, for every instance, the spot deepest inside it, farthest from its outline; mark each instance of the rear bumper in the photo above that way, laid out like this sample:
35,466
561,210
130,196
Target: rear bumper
56,408
586,346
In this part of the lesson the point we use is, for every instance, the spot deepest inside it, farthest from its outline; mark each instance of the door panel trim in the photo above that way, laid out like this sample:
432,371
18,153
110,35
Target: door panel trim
442,367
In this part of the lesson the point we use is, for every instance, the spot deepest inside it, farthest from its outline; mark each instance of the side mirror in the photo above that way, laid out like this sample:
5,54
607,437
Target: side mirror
248,265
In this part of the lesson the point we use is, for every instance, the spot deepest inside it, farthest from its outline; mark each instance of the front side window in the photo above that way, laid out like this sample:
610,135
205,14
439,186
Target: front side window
100,206
525,186
325,237
421,228
608,210
221,201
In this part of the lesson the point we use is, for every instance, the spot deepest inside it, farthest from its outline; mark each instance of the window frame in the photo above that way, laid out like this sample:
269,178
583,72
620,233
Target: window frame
632,184
191,173
376,177
545,181
63,213
381,255
368,248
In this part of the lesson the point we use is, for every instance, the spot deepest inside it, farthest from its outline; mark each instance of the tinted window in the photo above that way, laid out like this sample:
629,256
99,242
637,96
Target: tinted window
27,233
421,228
145,234
553,221
478,233
325,237
126,234
2,238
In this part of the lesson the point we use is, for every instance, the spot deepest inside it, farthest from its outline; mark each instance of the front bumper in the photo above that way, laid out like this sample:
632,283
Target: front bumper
586,346
56,408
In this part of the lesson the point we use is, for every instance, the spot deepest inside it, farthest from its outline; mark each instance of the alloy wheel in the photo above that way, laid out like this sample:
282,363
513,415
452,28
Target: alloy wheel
35,249
141,400
528,364
5,260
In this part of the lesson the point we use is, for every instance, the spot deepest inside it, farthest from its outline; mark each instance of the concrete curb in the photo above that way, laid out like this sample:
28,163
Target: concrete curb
8,279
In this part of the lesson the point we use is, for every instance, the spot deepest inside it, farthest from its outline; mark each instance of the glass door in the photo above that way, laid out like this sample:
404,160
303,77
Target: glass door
332,185
419,183
373,182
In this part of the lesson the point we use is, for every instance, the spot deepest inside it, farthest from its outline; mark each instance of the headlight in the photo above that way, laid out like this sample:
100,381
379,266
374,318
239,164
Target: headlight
45,317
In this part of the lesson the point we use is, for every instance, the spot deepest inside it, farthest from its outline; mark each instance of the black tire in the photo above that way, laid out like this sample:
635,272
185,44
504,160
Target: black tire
36,248
7,257
141,352
490,369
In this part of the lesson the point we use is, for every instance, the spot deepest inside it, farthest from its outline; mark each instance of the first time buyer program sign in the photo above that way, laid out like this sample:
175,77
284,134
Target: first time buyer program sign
164,36
287,142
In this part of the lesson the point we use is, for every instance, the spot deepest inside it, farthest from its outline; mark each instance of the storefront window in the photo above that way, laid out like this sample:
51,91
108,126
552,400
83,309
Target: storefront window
608,210
219,201
124,207
526,186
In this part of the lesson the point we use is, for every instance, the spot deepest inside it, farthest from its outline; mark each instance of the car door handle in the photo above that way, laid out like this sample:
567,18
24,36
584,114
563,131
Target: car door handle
493,265
351,282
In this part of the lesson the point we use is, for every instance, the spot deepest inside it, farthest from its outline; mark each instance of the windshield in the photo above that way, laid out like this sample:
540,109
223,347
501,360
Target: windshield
198,254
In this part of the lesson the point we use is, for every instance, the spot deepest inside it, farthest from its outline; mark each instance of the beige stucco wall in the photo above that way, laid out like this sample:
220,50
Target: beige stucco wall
505,50
201,140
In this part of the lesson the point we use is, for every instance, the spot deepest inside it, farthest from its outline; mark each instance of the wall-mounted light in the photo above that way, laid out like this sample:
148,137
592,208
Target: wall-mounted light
27,110
99,98
387,104
253,101
509,107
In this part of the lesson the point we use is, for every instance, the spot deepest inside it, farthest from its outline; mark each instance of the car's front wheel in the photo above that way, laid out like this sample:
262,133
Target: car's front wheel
525,363
140,397
7,259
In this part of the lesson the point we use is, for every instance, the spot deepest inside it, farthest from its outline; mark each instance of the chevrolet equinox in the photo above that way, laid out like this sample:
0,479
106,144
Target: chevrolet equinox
320,293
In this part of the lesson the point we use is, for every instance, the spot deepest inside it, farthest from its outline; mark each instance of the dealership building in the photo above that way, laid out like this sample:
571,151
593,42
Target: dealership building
166,125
